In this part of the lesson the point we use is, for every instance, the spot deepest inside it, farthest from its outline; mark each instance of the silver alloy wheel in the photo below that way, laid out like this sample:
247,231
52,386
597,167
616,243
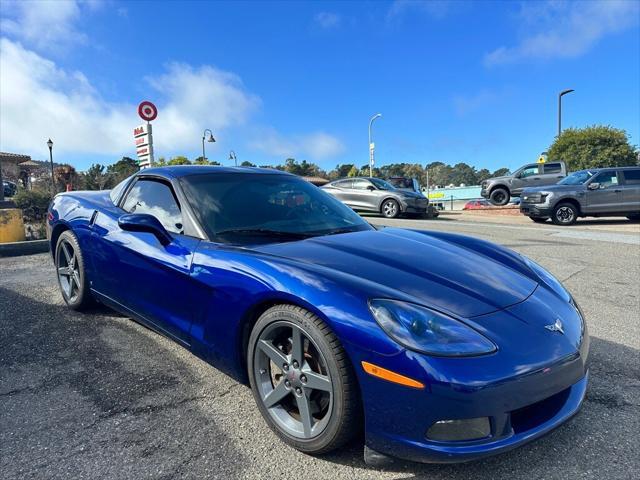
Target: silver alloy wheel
390,208
293,380
68,271
565,215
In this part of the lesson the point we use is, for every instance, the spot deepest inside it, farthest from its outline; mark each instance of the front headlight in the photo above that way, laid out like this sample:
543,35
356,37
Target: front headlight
426,331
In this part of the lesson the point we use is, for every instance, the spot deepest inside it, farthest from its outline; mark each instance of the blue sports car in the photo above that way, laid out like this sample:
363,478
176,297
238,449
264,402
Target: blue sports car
439,347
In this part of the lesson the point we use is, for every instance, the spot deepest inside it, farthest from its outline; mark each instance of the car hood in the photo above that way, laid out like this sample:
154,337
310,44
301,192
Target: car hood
409,193
437,270
553,188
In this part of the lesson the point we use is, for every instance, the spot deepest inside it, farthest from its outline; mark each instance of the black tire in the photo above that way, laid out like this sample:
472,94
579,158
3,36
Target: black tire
499,196
538,219
564,214
74,284
343,417
390,208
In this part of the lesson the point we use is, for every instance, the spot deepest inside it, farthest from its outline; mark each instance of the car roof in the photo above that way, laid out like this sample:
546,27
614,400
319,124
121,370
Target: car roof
177,171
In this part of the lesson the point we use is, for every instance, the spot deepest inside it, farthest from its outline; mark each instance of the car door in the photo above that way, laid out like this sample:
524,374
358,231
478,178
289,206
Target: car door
551,173
630,190
528,176
607,197
135,270
340,190
364,195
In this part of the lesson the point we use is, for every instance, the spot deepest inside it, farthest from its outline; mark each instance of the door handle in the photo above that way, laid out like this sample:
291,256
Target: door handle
559,176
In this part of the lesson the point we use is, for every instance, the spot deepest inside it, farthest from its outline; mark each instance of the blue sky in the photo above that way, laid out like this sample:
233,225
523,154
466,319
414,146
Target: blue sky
455,81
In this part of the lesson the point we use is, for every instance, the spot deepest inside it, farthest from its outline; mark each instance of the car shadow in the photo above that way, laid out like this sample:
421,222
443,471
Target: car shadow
584,444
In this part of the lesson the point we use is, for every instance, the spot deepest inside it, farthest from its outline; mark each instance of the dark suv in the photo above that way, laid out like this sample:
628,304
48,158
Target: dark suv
598,192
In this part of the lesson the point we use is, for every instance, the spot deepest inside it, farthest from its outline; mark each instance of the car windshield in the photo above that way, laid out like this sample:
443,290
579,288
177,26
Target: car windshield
576,178
381,184
250,208
401,182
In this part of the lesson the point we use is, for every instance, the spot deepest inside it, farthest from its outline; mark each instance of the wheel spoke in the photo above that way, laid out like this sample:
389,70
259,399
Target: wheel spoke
63,271
76,279
315,381
305,414
67,254
297,345
273,353
276,395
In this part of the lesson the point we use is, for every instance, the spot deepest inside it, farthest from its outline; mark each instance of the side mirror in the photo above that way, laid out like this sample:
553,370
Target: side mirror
594,186
143,222
371,187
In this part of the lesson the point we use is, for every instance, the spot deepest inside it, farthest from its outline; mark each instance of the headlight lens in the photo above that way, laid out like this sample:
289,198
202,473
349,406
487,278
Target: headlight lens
424,330
547,278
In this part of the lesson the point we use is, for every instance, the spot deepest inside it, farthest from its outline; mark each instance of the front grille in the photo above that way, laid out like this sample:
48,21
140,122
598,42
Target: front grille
538,413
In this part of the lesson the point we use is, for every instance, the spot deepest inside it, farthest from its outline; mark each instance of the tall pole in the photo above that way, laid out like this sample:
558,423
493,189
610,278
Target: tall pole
203,157
371,146
53,183
211,139
560,95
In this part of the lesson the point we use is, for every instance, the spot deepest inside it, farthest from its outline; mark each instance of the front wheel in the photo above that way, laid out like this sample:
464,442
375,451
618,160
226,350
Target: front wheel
499,196
390,208
302,381
71,272
564,214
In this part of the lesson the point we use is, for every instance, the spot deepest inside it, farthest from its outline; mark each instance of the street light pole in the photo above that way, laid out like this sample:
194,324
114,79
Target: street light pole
210,139
562,93
371,147
53,183
232,156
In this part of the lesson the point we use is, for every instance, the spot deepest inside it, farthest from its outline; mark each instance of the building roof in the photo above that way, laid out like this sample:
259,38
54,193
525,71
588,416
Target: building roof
13,157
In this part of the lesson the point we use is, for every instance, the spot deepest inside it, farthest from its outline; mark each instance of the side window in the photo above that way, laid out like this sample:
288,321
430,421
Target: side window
631,177
361,184
550,168
157,199
343,184
529,171
606,179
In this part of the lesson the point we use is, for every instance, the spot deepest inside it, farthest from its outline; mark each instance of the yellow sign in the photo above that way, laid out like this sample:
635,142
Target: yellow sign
436,195
542,159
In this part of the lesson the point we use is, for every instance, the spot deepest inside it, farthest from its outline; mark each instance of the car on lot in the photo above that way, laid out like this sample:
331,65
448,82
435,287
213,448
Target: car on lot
376,195
9,188
499,190
599,192
476,204
338,327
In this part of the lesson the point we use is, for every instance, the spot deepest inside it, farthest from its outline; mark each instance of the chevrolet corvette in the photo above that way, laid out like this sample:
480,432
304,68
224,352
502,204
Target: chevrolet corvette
434,347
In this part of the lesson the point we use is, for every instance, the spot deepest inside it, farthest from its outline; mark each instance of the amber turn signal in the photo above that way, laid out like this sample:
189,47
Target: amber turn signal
390,376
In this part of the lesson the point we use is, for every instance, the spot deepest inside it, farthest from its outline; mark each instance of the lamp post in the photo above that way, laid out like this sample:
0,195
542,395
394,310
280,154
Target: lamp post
53,182
232,156
562,93
371,146
210,139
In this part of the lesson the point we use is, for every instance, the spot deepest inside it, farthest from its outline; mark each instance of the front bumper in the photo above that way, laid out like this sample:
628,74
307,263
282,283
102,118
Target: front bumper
418,206
485,193
525,389
536,210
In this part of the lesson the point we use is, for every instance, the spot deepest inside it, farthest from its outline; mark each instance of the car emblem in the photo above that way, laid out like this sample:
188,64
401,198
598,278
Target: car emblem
555,327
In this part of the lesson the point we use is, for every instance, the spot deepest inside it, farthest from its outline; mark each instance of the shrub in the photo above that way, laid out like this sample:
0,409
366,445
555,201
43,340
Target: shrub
34,203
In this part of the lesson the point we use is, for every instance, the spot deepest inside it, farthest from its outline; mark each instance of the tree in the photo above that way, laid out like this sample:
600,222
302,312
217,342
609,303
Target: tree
179,160
593,147
353,172
65,175
501,172
96,178
123,168
247,164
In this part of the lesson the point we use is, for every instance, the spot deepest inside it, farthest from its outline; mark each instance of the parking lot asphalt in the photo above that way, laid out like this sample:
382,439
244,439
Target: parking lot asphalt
95,395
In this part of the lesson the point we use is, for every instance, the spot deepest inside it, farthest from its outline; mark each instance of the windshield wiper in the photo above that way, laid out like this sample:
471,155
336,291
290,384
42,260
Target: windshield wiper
338,231
262,232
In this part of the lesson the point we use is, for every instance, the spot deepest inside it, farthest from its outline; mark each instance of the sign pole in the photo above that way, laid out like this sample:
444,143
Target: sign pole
143,135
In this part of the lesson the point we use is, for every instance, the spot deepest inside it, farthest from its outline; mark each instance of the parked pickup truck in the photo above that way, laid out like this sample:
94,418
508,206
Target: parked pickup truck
600,192
499,190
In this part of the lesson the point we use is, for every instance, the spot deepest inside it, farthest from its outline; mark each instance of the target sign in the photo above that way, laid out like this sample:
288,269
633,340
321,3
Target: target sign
147,111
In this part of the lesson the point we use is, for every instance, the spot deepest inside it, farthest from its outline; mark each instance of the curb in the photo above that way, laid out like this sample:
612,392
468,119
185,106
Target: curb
14,249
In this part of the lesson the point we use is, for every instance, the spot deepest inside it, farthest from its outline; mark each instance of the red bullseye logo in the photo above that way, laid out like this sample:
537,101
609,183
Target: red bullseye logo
147,111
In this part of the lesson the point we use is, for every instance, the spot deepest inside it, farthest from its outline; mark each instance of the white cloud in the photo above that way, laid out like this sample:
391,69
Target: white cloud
565,29
46,25
328,19
314,146
40,100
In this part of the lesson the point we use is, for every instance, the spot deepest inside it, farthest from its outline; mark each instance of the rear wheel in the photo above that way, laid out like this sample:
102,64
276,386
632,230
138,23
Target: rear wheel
390,208
302,380
564,214
71,273
499,196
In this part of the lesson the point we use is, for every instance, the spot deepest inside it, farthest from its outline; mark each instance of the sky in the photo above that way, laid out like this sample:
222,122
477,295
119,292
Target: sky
473,82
